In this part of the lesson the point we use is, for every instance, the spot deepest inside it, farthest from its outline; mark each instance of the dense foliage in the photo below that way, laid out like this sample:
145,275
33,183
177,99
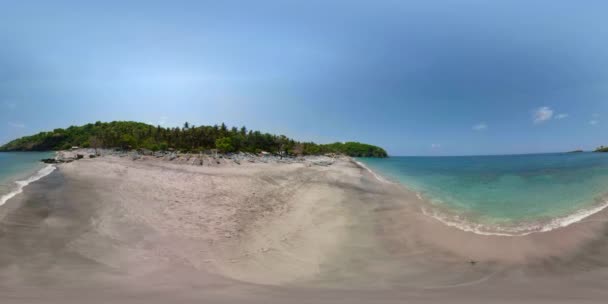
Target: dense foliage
135,135
601,149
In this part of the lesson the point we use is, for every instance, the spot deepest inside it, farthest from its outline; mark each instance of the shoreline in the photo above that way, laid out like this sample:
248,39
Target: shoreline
530,227
454,219
270,232
443,215
19,170
22,183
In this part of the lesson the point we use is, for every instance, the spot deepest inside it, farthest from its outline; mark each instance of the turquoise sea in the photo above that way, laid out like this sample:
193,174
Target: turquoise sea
506,194
18,169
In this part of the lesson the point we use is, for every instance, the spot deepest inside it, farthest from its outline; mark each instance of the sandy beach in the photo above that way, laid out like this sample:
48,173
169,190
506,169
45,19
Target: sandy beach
118,230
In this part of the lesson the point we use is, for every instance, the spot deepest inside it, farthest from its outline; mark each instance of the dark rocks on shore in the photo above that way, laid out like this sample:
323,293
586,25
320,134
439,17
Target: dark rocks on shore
210,158
146,152
56,161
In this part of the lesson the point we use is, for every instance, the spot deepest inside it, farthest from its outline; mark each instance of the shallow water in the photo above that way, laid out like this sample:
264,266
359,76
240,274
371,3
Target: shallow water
17,169
513,193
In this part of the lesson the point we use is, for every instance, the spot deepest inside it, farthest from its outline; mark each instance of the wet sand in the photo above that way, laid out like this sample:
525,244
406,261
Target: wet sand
122,231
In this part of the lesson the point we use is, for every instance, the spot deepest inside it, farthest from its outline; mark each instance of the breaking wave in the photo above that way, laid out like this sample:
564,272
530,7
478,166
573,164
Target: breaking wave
22,183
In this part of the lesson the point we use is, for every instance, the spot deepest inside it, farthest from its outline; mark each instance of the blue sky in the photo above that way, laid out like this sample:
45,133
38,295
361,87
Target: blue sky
416,77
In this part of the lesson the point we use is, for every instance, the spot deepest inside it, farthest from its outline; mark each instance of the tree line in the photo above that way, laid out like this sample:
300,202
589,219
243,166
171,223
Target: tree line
601,149
189,138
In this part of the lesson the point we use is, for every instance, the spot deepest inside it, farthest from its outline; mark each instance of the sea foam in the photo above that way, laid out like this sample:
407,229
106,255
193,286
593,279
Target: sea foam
22,183
378,177
521,229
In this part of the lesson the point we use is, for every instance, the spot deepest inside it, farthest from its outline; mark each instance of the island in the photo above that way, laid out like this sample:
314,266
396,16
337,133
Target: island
129,135
601,149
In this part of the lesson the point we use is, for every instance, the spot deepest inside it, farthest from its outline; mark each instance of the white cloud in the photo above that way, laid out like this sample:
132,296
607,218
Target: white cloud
593,122
542,114
435,146
561,116
163,120
16,125
480,126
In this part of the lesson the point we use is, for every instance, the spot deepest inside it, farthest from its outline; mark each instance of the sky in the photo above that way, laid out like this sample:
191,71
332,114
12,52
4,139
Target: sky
415,77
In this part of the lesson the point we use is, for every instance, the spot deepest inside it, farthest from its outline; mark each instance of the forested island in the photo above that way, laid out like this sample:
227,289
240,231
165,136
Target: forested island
601,149
129,135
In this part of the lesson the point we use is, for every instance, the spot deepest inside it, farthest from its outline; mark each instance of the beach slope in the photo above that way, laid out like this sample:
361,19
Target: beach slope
112,229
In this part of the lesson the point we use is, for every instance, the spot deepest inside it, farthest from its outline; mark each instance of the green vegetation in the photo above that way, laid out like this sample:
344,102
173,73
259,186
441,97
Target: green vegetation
224,144
135,135
601,149
350,148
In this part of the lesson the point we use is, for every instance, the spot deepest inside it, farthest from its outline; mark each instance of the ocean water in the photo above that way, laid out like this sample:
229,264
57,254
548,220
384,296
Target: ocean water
503,195
18,169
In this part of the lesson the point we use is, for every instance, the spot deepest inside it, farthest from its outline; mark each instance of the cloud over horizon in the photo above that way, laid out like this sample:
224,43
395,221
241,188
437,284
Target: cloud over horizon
542,114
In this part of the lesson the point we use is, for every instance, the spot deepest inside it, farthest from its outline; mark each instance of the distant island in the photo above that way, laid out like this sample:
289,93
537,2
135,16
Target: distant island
601,149
129,135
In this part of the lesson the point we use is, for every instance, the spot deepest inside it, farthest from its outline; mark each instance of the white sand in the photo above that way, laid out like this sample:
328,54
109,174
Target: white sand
115,230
